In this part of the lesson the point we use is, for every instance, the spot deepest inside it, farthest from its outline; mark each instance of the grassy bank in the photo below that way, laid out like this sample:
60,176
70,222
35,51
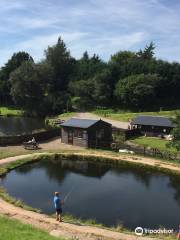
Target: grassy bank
125,116
18,203
67,115
5,168
6,153
10,111
90,156
92,222
154,142
13,229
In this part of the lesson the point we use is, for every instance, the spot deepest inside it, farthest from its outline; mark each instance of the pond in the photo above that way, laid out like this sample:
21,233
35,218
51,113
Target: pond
19,125
109,194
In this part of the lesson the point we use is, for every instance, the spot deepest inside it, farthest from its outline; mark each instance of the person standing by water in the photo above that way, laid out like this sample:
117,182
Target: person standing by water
58,206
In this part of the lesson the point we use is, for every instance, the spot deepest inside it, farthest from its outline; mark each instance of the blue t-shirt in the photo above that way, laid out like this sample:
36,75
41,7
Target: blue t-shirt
57,202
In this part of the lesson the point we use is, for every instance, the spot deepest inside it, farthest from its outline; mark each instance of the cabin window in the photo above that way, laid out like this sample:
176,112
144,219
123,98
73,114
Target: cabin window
78,133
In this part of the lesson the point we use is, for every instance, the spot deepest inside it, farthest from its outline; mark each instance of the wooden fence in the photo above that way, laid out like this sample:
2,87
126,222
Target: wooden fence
147,151
124,134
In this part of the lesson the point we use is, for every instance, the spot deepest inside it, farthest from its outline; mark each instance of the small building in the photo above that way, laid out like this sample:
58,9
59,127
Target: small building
152,126
86,133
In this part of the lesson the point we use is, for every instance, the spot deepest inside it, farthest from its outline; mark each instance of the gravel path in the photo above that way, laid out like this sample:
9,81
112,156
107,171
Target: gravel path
66,230
118,124
52,144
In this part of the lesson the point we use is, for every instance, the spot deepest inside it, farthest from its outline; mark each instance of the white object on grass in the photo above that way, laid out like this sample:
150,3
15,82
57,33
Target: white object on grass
126,151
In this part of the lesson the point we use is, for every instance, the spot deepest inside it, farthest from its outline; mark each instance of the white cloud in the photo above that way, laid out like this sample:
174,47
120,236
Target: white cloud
37,45
11,5
100,26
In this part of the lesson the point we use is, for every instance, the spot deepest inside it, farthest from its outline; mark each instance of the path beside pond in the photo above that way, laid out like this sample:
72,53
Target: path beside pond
160,164
51,144
63,229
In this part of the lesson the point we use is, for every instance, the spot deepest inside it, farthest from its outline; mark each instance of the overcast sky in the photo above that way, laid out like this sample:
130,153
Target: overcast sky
98,26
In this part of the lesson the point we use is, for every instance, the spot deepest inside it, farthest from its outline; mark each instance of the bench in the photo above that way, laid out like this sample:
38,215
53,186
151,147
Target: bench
30,145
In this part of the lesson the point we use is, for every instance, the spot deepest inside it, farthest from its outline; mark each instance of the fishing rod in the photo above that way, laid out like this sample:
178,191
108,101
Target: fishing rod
68,194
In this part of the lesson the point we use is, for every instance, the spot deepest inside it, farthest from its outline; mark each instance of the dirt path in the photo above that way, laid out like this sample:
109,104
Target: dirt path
114,123
68,230
52,144
122,157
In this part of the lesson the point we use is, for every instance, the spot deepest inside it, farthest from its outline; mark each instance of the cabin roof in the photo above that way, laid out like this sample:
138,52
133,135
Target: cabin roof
79,123
152,121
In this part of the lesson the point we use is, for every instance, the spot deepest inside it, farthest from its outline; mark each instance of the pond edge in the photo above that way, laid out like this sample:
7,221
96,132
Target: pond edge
116,161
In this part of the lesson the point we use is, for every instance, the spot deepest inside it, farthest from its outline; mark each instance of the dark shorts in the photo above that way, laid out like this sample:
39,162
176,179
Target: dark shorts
59,210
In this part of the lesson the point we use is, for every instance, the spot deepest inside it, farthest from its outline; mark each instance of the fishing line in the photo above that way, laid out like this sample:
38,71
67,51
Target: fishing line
68,194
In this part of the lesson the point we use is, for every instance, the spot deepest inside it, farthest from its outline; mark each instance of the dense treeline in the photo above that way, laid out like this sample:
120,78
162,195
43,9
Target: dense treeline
129,80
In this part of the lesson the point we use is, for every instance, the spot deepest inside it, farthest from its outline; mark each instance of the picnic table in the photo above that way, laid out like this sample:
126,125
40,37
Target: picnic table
30,145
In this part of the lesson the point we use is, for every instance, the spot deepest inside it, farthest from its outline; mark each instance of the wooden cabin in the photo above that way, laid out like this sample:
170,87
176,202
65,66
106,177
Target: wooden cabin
86,133
152,126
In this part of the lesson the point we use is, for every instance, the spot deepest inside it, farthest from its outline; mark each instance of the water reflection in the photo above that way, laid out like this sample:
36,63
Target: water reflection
19,125
175,184
109,194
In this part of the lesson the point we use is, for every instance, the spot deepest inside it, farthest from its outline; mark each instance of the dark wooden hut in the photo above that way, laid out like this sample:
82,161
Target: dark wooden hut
86,133
152,125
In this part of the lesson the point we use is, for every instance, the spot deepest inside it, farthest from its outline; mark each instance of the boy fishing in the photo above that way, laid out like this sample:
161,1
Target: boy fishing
58,206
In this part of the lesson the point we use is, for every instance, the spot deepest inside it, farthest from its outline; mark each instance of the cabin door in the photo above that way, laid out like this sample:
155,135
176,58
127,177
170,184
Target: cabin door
70,137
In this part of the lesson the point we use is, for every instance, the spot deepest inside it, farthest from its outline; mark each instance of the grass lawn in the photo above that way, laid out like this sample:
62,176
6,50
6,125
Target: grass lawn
62,116
153,142
9,153
13,229
66,115
125,116
10,111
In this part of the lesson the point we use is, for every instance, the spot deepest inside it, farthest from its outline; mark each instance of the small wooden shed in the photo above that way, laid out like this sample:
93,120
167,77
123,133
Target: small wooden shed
152,125
86,133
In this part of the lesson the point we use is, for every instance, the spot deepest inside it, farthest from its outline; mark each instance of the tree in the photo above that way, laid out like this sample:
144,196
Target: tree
148,52
4,92
63,67
176,132
135,80
92,92
88,67
29,87
137,91
120,66
59,58
82,90
102,93
169,86
16,60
